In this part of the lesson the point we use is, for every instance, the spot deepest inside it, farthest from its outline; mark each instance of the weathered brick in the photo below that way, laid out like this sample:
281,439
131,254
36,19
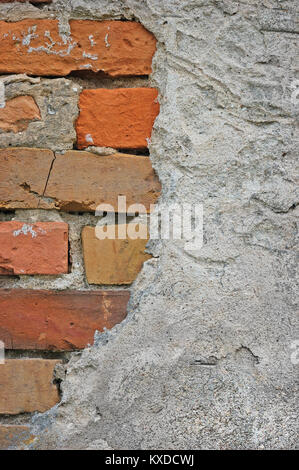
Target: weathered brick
57,320
78,181
118,118
35,47
40,248
112,261
17,113
14,436
24,174
26,385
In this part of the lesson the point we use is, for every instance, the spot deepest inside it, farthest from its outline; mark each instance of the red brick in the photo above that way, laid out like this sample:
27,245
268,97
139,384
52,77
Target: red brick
17,113
39,248
35,47
14,436
57,320
26,385
78,181
118,118
20,186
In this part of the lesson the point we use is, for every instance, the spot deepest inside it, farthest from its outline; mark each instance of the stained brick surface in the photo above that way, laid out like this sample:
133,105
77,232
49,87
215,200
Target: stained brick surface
112,261
115,47
40,248
78,181
17,113
26,385
57,320
24,174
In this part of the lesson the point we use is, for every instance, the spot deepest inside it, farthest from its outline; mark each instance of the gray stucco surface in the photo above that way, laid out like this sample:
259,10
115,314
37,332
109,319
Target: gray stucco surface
203,359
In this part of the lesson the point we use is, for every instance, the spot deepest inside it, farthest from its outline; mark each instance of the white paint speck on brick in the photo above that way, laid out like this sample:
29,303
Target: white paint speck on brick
25,230
89,139
106,41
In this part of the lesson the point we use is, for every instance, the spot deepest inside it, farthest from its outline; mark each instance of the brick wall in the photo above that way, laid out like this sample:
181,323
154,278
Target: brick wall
65,147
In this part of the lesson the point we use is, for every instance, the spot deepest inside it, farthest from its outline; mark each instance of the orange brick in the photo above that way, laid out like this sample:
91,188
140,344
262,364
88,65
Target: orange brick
26,385
17,113
39,248
35,47
112,261
118,118
57,320
78,181
14,436
24,174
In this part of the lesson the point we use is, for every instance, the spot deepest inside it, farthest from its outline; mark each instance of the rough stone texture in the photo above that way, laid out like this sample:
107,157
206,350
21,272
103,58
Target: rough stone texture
26,385
80,181
14,437
57,321
56,101
120,118
204,357
38,47
23,1
17,113
40,248
111,261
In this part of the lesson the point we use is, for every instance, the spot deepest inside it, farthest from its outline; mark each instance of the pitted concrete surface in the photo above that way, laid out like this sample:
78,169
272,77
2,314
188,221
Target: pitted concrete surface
203,359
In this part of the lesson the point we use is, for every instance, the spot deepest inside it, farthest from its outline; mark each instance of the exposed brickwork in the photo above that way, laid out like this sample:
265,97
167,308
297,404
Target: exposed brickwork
20,186
61,320
121,118
17,114
26,385
114,47
112,261
40,248
49,114
79,181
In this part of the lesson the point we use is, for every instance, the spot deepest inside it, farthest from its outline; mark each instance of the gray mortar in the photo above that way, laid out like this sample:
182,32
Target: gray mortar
57,100
203,359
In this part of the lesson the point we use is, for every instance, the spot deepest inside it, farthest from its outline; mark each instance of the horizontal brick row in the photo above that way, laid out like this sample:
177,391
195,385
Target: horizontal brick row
26,385
75,181
57,320
40,248
35,47
111,261
120,118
